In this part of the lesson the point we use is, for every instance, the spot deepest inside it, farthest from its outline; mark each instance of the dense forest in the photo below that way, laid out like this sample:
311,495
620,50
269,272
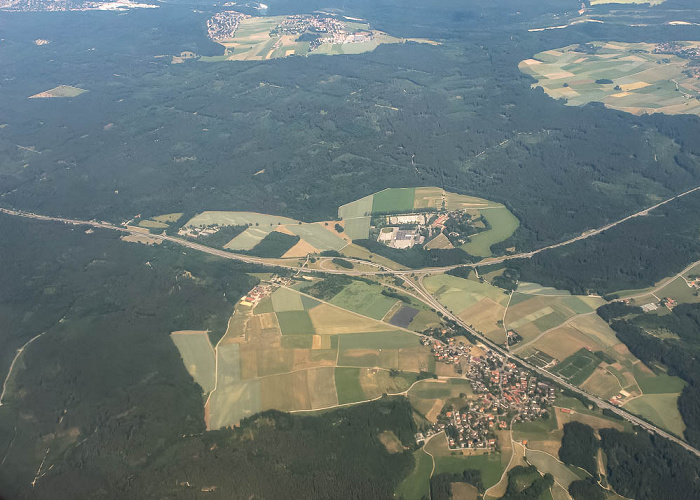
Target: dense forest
648,467
300,136
633,255
579,447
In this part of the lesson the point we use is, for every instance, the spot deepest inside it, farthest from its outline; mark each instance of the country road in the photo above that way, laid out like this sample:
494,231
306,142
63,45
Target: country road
418,287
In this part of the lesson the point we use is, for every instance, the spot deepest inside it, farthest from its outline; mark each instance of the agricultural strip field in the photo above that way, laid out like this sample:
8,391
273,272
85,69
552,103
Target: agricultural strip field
355,216
378,340
364,299
211,218
625,76
503,224
62,91
198,356
661,409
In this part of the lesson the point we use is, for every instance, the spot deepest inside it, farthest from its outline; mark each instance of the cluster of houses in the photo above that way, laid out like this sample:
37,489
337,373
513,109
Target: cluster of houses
448,352
264,289
223,25
327,29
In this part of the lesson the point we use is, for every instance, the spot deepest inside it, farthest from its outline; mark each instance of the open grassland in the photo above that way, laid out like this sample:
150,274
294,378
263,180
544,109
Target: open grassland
595,421
624,76
347,383
502,225
198,356
393,200
654,383
152,224
284,299
417,485
485,316
231,402
679,290
318,236
168,218
602,383
563,474
364,299
378,340
295,323
356,218
661,409
489,464
458,294
424,320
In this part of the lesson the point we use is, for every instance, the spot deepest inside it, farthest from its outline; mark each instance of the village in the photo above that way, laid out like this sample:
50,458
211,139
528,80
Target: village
504,394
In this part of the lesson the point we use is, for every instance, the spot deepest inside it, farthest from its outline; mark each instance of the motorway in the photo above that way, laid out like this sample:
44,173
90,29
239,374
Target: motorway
416,285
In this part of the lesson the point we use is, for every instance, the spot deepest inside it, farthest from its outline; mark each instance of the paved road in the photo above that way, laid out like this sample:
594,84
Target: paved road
417,286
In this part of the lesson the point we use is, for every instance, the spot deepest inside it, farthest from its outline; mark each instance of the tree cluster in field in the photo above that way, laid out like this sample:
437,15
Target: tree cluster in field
441,484
536,487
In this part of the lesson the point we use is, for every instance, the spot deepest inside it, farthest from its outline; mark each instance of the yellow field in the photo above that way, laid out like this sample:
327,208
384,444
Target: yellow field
331,320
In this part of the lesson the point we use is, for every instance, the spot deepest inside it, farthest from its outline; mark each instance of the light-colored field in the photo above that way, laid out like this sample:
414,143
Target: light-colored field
642,81
174,217
457,294
595,421
661,409
484,316
249,238
152,224
364,299
198,356
59,92
393,200
211,218
503,224
602,384
547,463
284,299
318,236
301,249
440,242
330,320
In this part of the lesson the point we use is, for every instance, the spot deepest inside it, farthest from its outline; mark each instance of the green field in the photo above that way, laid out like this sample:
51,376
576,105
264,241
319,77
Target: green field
318,236
347,384
625,76
429,389
198,356
490,466
233,401
364,299
652,383
458,293
577,367
249,238
563,474
394,200
503,224
264,306
211,218
660,409
417,485
378,340
295,323
284,299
